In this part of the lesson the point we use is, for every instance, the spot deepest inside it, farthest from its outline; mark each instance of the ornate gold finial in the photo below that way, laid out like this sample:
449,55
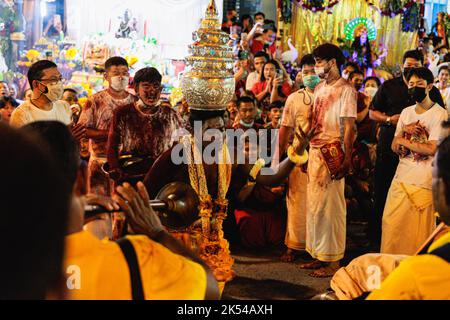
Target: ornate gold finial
209,84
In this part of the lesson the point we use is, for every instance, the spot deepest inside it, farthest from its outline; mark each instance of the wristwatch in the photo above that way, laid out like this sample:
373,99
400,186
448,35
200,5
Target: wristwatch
388,121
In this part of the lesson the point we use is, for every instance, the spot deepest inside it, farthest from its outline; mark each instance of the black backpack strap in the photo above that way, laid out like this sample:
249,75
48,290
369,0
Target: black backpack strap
135,274
442,252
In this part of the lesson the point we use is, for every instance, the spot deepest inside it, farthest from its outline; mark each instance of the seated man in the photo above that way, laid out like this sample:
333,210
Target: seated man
260,211
142,130
426,276
162,268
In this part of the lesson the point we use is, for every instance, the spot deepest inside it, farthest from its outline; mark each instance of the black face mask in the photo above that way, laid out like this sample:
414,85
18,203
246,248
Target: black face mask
417,93
358,87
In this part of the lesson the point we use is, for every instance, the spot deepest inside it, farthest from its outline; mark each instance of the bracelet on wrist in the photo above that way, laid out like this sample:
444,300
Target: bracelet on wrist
298,160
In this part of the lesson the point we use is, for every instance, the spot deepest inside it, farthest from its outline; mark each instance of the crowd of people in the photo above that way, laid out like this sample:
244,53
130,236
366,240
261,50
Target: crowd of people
370,149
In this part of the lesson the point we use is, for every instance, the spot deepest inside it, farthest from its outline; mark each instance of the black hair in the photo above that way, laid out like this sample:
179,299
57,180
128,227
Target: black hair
444,67
413,54
151,75
378,82
115,61
276,104
421,73
203,115
245,99
36,70
34,220
245,17
352,64
352,74
248,93
275,63
307,60
442,162
260,14
261,54
447,57
328,51
269,25
6,99
71,90
64,148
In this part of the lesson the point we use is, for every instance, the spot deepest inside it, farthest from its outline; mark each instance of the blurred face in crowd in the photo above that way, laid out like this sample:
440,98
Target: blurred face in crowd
357,81
232,109
269,36
4,90
70,97
371,88
5,113
259,18
13,91
275,114
247,112
443,77
149,92
270,71
245,23
347,71
259,64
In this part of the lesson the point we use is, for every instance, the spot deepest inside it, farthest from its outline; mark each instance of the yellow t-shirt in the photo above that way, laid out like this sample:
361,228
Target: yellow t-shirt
423,277
97,270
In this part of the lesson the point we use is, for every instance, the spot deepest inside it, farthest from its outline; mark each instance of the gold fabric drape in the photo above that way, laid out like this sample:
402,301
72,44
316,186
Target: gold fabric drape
309,29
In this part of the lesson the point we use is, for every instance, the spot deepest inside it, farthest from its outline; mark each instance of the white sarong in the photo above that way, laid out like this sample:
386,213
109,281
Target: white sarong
326,211
408,219
296,206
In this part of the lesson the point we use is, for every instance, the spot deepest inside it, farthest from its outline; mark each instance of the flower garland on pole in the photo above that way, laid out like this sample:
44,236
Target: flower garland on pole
389,12
317,5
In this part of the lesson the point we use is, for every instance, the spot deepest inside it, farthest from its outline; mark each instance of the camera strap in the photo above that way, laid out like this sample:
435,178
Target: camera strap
135,274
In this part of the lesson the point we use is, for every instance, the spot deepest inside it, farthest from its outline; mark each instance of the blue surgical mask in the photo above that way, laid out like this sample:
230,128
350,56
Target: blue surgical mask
311,81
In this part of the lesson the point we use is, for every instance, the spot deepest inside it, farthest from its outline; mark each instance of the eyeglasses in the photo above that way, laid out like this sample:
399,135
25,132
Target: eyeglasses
52,81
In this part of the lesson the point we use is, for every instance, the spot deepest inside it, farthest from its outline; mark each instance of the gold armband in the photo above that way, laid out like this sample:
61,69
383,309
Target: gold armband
295,158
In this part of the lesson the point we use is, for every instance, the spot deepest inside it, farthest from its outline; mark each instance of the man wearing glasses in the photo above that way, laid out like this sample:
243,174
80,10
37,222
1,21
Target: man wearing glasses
97,117
45,104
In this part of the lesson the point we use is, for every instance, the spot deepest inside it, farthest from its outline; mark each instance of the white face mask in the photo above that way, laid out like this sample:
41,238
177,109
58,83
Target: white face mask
119,84
370,91
54,91
345,75
320,71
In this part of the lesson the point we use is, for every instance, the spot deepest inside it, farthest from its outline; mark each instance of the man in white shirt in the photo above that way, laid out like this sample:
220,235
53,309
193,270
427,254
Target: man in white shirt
258,61
408,218
47,86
